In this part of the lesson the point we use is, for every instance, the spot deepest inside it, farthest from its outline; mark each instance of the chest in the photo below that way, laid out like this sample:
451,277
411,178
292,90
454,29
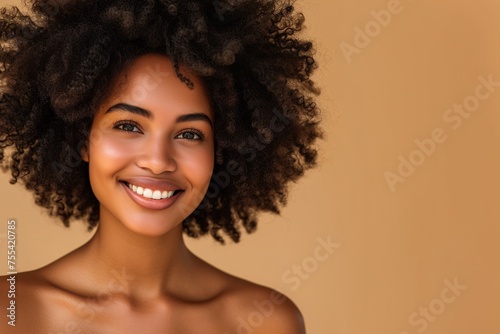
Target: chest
88,317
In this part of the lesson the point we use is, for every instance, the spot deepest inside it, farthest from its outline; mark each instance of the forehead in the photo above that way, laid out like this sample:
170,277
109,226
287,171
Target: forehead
152,78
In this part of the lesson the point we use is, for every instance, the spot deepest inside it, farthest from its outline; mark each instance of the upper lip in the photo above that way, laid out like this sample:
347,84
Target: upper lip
153,184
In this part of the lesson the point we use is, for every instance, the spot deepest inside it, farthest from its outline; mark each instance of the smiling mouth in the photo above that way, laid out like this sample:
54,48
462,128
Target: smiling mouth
152,193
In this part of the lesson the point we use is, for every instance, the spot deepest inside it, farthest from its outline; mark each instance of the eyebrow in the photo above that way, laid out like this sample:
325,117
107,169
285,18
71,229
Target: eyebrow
148,114
130,108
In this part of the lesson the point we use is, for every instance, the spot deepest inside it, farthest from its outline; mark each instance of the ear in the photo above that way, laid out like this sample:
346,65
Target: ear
84,153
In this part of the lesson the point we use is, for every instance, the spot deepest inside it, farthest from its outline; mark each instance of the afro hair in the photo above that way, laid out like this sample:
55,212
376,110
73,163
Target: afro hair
58,60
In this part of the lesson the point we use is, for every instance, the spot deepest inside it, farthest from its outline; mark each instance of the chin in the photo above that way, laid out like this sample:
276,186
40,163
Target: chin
153,226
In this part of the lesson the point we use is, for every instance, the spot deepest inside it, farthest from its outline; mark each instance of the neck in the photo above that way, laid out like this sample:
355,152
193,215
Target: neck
145,266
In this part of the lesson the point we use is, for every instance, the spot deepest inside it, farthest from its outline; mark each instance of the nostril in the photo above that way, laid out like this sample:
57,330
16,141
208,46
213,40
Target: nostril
157,164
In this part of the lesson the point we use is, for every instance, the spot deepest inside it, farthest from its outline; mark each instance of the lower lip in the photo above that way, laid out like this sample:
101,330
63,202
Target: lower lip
149,203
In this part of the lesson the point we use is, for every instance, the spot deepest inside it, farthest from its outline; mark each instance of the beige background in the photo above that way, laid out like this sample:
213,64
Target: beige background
397,248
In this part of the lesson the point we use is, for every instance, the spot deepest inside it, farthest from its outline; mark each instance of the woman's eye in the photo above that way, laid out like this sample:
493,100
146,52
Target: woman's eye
127,126
191,135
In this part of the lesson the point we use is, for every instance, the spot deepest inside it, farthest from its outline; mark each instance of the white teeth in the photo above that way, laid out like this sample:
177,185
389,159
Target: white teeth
148,193
167,194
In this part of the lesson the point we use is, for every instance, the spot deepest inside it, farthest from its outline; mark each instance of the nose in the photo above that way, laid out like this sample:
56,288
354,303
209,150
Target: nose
157,156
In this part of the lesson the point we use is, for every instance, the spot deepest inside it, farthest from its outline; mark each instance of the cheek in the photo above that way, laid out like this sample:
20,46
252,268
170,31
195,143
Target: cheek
117,148
199,165
108,155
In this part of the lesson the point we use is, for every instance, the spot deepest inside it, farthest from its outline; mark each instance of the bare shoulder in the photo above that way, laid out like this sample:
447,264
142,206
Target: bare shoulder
260,310
29,297
253,308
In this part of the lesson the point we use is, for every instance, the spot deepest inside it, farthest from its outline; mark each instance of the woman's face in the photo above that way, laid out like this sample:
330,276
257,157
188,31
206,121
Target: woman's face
151,148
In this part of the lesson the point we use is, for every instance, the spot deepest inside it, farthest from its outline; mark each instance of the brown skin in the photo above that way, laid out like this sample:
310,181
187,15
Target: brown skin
136,274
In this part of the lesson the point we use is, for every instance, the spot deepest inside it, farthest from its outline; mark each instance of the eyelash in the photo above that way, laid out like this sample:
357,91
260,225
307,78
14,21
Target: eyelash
126,122
119,124
201,136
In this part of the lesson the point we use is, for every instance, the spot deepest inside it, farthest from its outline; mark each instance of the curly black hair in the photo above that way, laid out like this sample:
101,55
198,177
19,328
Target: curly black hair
58,60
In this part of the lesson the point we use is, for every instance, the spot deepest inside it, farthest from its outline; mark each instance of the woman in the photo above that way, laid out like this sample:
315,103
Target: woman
148,119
